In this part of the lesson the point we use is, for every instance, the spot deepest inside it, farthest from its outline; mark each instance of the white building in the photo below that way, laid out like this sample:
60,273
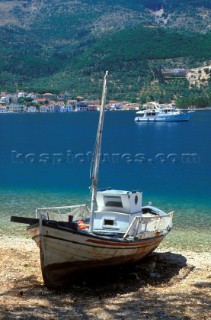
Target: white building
44,108
32,95
31,109
21,94
66,108
116,106
81,106
4,100
3,109
50,108
16,108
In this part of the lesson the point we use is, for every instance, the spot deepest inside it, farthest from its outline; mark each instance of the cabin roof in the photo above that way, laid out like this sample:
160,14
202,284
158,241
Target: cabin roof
115,192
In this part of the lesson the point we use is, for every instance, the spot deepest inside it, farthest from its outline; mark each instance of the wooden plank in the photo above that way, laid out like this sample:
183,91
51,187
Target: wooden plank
25,220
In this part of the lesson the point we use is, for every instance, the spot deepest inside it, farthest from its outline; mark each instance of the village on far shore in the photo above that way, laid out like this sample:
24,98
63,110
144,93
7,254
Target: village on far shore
23,102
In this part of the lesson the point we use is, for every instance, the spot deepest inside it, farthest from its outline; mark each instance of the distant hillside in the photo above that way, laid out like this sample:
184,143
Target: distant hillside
136,59
62,45
100,16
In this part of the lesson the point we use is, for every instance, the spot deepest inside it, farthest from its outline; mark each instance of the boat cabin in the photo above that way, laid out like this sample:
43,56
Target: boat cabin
151,114
116,209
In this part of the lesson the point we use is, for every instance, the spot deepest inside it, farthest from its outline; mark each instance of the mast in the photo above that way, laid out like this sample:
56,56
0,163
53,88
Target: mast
96,159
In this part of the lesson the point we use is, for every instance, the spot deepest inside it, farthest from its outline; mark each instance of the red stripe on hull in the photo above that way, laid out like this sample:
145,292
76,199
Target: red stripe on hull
140,243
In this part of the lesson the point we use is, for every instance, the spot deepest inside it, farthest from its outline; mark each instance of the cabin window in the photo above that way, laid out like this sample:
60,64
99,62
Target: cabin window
108,222
113,201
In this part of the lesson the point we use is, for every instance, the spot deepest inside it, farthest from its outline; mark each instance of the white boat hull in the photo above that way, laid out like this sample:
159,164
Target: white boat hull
64,254
165,118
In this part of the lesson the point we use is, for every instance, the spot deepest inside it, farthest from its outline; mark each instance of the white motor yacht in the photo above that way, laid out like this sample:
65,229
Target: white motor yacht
162,113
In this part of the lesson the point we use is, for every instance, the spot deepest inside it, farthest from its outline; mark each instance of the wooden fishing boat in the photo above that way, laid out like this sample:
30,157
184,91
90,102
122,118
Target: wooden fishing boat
116,229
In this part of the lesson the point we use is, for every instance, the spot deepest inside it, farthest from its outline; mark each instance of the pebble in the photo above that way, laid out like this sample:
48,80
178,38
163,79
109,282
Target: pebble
15,292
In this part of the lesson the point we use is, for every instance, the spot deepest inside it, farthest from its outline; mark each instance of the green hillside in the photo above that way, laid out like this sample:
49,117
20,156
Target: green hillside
134,58
62,45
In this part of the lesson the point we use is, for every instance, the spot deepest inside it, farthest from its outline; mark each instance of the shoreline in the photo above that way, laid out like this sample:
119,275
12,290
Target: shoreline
96,111
169,284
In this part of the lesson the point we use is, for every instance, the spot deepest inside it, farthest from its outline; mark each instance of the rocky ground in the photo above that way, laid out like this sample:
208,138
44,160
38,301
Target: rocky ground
166,285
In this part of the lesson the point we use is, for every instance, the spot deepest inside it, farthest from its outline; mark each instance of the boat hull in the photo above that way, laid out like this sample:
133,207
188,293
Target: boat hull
65,254
165,118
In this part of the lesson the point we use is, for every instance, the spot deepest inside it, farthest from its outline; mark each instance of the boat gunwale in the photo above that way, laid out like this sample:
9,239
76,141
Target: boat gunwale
106,238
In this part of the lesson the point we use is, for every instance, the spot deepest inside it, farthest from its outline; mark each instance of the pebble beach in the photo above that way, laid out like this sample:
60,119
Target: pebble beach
169,284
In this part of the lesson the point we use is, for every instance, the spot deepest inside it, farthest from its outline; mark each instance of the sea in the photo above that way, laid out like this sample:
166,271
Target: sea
45,160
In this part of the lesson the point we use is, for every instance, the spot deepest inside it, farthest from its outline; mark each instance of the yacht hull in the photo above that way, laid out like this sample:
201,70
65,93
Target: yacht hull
165,118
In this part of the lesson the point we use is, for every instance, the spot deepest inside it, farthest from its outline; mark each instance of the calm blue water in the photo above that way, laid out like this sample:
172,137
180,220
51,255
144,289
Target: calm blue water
45,160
